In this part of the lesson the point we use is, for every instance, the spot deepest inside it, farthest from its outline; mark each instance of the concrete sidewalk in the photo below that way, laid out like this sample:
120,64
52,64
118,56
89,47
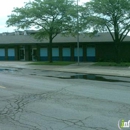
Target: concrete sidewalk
82,68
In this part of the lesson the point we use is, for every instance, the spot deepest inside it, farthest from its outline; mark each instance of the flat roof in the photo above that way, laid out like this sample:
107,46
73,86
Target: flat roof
22,39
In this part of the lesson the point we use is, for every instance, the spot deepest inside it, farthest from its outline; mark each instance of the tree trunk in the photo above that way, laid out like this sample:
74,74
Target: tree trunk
117,51
50,49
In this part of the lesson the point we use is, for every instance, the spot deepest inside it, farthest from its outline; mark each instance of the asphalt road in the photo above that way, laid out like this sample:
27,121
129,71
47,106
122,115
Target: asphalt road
47,100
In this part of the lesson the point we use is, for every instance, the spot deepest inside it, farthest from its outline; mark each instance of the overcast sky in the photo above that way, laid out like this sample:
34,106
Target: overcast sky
6,7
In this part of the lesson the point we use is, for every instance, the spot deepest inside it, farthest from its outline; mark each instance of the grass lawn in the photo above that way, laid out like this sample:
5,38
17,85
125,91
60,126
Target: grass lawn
53,63
122,64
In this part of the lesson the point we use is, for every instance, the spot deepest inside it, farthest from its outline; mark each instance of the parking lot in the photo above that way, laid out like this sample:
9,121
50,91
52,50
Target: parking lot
49,100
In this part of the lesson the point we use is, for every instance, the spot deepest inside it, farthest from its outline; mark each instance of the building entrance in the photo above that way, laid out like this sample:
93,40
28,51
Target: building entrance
22,54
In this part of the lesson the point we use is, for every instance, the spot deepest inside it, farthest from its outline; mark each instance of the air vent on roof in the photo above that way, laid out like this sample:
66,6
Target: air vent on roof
97,35
16,32
25,32
4,34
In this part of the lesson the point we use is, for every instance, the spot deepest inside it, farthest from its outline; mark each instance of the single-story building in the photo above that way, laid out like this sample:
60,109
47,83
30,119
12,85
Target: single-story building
23,46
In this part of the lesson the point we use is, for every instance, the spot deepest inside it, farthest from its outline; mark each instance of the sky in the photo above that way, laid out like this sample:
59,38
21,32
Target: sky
6,8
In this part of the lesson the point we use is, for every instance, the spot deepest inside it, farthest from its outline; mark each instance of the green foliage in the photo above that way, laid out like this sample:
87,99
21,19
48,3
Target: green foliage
61,63
110,15
49,17
121,64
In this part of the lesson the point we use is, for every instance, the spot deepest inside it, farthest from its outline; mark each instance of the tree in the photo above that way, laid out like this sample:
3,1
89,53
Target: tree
112,16
49,17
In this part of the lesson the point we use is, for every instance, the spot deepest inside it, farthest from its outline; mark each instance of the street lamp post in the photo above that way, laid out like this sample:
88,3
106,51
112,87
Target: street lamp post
78,33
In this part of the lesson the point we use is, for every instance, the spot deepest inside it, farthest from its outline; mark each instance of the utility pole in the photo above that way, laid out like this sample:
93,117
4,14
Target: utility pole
78,32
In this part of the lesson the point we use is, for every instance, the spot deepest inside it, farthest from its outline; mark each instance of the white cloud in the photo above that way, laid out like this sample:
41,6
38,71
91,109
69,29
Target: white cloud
83,1
6,8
